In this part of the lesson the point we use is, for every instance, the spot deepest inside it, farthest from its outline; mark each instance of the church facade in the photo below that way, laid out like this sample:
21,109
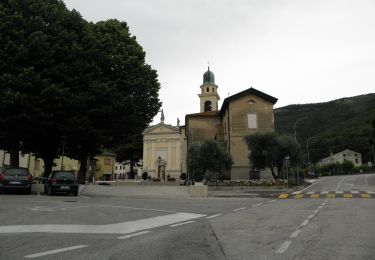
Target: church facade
244,113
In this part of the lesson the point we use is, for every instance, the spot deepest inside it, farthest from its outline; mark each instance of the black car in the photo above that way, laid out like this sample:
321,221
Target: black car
61,181
15,179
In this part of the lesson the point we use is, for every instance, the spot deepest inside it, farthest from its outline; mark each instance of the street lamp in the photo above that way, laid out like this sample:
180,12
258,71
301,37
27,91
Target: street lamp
295,125
63,141
307,148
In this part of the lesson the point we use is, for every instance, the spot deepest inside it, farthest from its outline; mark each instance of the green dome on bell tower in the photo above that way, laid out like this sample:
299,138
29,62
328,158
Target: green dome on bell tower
208,77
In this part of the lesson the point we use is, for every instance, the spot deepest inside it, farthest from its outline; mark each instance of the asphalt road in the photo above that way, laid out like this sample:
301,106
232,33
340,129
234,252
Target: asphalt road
120,227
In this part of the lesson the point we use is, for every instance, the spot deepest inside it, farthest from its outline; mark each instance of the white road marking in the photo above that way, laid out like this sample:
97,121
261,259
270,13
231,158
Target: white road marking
324,192
270,201
354,191
339,192
214,216
295,233
311,216
134,234
308,187
305,222
284,247
55,251
183,223
84,197
296,192
371,192
316,211
117,228
239,209
310,192
320,207
256,205
338,185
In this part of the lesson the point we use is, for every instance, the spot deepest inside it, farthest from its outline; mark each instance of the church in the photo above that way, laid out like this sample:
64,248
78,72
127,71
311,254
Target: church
247,112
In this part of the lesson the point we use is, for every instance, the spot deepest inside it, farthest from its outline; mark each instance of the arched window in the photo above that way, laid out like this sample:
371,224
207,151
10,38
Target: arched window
207,106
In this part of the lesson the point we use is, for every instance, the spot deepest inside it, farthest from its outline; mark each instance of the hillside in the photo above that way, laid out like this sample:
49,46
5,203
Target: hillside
336,125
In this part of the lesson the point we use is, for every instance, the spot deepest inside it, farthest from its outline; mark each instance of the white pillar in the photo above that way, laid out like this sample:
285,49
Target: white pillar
169,155
152,164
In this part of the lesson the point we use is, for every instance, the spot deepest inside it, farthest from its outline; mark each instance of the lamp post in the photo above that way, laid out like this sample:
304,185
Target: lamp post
63,140
295,125
308,152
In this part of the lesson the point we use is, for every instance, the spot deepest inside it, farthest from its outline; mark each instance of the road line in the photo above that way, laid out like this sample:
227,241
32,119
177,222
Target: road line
316,211
116,228
183,223
320,207
311,216
270,201
134,234
324,192
256,205
339,192
295,233
284,247
310,192
305,222
308,187
239,209
338,186
84,197
296,192
354,191
55,251
214,216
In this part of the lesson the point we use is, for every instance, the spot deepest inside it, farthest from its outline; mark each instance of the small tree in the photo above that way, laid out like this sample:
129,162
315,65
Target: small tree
268,150
209,159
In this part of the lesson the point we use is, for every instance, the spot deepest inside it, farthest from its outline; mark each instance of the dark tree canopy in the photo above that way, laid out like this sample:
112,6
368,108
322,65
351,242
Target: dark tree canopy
268,150
62,78
209,159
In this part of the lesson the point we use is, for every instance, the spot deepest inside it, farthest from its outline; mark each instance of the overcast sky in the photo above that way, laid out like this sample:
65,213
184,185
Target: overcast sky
298,51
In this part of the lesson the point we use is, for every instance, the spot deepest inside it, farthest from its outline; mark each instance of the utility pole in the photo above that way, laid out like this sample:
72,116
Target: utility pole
295,138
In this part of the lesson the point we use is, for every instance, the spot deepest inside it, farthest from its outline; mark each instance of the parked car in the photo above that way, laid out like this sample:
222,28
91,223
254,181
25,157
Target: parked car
61,181
15,179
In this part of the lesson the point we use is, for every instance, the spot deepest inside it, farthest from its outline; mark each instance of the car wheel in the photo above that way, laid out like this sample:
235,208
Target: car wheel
50,192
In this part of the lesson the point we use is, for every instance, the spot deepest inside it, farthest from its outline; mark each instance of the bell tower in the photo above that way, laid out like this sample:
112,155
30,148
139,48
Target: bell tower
209,97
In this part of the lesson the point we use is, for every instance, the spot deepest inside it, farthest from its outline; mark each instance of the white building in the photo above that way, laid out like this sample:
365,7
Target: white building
346,155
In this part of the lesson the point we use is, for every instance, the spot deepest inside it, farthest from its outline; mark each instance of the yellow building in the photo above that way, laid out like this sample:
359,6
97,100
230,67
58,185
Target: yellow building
105,166
36,165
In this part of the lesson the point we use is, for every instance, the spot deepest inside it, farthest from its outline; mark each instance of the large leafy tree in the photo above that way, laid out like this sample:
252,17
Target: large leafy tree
63,80
209,159
268,150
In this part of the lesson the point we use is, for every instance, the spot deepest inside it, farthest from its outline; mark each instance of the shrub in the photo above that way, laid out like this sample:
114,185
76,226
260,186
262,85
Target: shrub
145,176
183,176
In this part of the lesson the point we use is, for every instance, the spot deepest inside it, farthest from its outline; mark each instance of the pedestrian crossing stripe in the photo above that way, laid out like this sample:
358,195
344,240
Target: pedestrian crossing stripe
328,195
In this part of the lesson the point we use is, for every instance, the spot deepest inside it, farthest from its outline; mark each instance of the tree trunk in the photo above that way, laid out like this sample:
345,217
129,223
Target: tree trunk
48,164
14,157
275,177
83,168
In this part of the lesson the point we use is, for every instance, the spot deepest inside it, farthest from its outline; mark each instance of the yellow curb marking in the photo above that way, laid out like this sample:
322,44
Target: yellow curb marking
314,196
348,196
331,196
298,196
365,195
283,196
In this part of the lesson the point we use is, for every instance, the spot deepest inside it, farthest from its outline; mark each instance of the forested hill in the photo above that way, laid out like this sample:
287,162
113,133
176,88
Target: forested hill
335,125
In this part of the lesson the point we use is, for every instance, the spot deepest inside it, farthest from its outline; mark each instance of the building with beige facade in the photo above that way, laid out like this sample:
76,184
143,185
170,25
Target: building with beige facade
244,113
162,150
346,155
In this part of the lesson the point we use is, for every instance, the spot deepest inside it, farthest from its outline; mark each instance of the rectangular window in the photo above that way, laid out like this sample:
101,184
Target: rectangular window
252,121
107,161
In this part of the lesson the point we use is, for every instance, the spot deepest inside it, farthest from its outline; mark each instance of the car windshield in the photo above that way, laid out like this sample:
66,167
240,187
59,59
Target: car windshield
69,175
14,172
